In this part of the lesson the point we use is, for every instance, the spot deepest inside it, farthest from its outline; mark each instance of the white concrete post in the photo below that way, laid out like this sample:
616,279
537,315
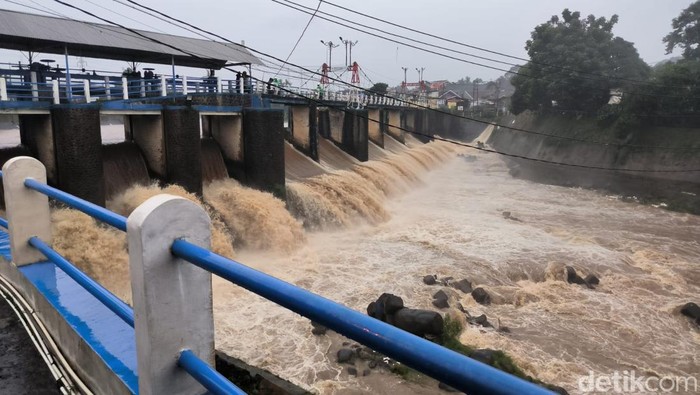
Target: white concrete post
163,86
27,210
184,85
3,89
86,88
35,86
143,87
125,88
218,85
108,89
56,92
172,298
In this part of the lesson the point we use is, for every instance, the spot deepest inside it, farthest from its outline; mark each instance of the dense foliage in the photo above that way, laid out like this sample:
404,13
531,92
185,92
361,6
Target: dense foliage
686,33
583,50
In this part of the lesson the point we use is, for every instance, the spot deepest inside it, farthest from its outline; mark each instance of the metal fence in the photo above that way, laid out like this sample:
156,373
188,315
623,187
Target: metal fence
171,267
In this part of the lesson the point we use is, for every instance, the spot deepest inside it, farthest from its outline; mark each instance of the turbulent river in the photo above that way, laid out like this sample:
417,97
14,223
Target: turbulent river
647,259
450,222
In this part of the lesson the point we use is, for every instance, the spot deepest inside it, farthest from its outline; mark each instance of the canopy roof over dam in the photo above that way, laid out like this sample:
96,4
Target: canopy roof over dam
30,32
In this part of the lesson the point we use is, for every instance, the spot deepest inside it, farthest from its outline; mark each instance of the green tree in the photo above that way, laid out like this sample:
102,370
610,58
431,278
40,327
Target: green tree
686,33
583,50
379,88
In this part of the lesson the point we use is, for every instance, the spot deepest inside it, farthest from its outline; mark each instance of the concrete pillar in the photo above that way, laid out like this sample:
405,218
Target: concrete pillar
304,127
375,125
324,122
147,132
336,123
27,210
227,131
264,149
183,156
394,125
354,139
78,151
172,298
36,134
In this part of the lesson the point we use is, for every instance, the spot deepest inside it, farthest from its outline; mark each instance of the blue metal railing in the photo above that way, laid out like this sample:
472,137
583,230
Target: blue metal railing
449,367
209,378
91,209
118,307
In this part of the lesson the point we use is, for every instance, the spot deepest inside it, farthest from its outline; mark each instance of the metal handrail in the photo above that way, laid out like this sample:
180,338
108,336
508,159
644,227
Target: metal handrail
91,209
445,365
116,305
212,380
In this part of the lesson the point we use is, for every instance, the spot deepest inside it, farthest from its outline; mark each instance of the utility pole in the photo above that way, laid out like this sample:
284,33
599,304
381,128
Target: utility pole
348,45
420,77
330,46
404,79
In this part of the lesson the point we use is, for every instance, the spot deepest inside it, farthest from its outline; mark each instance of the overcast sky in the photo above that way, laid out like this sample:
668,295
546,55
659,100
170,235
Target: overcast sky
500,25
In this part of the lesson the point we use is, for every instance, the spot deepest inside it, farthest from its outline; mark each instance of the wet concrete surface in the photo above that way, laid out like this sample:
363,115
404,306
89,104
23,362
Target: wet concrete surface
22,370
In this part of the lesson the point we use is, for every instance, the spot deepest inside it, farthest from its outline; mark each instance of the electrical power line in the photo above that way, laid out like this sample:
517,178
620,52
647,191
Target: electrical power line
507,71
366,90
488,50
302,34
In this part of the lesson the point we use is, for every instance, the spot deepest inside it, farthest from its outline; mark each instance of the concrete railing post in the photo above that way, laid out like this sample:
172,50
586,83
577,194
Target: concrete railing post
184,85
27,210
218,85
172,298
35,86
56,90
108,89
3,89
163,86
86,89
125,88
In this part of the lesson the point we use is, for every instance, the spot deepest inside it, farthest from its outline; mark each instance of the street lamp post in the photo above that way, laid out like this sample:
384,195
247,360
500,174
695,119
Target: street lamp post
330,46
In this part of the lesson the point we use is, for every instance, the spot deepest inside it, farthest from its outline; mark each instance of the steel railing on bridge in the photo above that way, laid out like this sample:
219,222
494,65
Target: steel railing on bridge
53,88
169,235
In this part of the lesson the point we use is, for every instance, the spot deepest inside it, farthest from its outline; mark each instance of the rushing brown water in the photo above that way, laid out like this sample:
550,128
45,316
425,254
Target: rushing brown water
454,226
390,222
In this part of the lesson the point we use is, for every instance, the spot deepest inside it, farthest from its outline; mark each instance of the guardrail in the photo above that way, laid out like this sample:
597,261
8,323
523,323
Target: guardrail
53,87
168,242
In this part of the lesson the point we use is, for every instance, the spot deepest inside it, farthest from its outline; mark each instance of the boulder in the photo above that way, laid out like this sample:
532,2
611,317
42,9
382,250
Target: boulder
481,296
352,371
592,279
463,285
430,279
692,311
418,322
366,372
318,329
480,320
441,303
345,355
572,277
385,305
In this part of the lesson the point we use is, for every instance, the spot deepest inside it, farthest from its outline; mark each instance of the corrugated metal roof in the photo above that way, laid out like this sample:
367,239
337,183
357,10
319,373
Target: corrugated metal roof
39,33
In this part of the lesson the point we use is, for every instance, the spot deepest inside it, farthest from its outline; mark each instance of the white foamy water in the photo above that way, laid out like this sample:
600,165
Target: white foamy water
647,259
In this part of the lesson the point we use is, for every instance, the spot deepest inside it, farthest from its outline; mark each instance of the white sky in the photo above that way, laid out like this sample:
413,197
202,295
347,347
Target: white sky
501,25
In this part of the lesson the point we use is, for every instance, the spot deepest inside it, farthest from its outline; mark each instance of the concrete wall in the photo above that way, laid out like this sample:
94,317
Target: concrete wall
37,135
263,144
304,127
183,155
227,131
375,125
394,124
147,132
78,148
337,119
354,137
